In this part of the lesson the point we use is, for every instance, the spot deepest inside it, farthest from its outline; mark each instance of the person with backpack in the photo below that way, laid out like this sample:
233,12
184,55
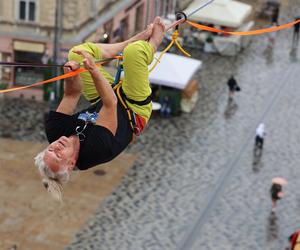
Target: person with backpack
232,86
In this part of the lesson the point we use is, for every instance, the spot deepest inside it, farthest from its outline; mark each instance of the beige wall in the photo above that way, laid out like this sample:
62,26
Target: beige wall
76,13
7,8
78,16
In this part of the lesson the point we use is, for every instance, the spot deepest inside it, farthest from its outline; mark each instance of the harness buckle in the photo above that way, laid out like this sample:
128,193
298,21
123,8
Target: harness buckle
88,117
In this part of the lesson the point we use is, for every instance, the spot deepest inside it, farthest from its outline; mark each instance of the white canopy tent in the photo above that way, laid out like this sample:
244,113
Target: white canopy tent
227,13
174,70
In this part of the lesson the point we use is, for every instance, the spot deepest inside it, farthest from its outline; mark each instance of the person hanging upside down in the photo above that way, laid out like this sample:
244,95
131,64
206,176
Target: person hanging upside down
98,134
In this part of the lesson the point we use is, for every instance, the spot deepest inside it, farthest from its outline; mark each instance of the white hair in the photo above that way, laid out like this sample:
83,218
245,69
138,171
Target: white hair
52,181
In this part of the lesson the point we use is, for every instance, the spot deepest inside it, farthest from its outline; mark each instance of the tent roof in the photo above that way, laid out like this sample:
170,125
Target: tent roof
174,70
227,13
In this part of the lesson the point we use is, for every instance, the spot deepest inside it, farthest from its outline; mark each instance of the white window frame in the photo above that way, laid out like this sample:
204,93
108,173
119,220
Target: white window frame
27,2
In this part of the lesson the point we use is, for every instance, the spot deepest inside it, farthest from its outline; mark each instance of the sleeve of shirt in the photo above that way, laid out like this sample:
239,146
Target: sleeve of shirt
59,124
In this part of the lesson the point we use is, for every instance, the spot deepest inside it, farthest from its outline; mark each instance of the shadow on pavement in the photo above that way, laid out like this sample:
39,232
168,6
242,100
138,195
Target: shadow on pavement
231,108
272,228
257,155
294,55
269,54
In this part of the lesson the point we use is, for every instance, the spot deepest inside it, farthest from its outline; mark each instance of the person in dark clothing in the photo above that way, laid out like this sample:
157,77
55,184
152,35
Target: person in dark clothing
98,134
233,86
276,194
294,240
275,15
296,33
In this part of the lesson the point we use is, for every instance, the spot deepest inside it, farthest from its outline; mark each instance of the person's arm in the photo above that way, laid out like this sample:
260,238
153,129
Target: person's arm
108,112
72,89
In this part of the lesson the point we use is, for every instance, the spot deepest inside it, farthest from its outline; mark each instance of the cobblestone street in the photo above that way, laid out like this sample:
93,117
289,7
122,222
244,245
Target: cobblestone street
194,184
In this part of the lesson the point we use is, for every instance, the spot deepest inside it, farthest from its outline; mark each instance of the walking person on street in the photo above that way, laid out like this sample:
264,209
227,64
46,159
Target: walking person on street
296,33
276,191
232,86
294,240
259,137
275,15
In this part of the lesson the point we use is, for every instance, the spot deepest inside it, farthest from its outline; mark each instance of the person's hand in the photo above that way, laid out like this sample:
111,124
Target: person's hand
280,194
71,66
72,84
88,61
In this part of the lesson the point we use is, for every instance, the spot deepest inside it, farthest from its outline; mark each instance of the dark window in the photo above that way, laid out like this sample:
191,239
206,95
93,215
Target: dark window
27,10
22,13
31,11
139,16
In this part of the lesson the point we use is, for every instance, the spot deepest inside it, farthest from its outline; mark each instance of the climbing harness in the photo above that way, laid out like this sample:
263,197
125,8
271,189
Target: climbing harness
117,87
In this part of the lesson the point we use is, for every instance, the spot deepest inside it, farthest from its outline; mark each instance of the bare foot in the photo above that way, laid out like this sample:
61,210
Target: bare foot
157,33
144,35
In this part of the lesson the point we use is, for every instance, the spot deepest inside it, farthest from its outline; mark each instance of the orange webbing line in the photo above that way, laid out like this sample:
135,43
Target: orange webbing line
244,33
57,78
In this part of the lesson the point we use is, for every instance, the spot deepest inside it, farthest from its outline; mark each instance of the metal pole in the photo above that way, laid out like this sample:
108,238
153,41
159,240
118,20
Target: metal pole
56,50
53,94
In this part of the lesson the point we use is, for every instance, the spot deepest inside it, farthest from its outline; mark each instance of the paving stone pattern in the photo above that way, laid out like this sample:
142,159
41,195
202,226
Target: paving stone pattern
194,185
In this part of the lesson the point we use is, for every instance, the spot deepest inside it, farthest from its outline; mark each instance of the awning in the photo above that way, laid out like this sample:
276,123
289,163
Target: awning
227,13
29,47
174,70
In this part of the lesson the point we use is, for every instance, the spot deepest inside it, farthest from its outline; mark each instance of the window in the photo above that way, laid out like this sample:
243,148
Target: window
27,10
139,16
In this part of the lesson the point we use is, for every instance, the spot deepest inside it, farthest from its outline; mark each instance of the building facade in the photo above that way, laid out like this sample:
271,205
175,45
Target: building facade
33,31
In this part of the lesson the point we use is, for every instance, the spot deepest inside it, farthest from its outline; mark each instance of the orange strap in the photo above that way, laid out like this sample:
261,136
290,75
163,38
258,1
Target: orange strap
61,77
244,33
57,78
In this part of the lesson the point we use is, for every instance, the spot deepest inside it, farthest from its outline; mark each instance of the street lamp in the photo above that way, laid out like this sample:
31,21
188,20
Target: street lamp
56,90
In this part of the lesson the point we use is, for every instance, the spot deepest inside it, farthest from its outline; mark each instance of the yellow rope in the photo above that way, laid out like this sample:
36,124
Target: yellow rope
174,40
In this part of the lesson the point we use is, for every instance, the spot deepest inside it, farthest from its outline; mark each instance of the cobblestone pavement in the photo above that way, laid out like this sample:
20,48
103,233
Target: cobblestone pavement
194,185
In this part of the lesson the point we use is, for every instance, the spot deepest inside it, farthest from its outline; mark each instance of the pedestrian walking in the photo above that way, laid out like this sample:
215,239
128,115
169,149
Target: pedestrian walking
296,33
233,86
294,240
259,136
276,190
275,15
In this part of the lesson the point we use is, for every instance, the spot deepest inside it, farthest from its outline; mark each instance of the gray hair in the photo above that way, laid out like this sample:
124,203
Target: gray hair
52,181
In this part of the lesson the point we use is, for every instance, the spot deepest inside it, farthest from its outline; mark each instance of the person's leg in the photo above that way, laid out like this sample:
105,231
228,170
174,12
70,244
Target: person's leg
274,203
98,52
262,143
89,90
111,50
257,141
137,57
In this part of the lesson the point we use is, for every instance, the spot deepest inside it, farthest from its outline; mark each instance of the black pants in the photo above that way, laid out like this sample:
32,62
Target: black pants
259,142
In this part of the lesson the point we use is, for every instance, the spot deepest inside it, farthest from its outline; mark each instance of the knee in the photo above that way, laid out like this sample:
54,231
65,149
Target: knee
139,50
